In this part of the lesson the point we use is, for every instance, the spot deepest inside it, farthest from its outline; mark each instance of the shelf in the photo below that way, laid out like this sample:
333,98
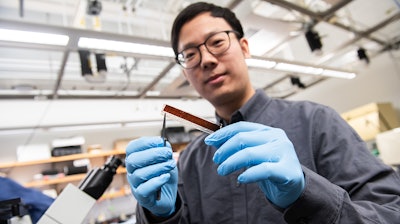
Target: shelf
66,179
63,158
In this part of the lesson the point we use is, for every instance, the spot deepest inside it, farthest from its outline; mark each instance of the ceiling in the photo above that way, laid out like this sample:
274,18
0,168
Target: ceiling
275,29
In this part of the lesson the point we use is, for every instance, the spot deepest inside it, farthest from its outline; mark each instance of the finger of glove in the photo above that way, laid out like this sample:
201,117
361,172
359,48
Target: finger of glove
222,135
146,193
254,148
144,143
273,172
247,157
147,157
142,175
239,142
282,188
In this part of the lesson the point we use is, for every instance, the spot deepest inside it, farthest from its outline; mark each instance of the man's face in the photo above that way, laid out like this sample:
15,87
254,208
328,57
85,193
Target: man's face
222,78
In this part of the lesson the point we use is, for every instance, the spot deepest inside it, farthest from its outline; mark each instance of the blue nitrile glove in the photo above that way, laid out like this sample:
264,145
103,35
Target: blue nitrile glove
151,167
268,155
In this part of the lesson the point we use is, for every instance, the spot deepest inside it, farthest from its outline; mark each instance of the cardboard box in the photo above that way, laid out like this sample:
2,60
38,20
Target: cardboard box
371,119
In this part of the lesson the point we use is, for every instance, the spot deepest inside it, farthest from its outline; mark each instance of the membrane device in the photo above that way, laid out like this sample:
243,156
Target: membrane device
190,119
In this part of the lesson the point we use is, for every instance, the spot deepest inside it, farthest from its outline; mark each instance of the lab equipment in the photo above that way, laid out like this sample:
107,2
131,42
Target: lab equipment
74,203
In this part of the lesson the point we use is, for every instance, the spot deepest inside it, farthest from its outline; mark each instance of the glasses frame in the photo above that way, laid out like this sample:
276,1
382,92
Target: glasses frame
204,43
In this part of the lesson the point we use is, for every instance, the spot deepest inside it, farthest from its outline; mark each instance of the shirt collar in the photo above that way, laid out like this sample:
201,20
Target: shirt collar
250,110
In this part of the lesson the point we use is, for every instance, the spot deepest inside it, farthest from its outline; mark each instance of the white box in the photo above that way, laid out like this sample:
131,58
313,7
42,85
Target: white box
33,152
389,146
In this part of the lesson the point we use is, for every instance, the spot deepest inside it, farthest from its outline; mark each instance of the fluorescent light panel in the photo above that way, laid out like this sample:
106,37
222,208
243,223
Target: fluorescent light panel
111,45
33,37
153,93
286,67
257,63
338,74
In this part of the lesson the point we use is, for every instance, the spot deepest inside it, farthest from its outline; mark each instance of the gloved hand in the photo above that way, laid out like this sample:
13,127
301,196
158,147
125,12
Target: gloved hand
151,167
268,155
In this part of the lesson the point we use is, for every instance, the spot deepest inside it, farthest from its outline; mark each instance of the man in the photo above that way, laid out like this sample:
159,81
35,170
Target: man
274,161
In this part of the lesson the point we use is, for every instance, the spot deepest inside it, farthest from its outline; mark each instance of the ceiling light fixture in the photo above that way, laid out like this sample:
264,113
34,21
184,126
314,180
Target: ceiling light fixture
111,45
260,63
338,74
33,37
296,68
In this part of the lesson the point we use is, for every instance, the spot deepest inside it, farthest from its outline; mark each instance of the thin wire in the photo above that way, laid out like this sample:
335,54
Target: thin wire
164,137
163,131
127,72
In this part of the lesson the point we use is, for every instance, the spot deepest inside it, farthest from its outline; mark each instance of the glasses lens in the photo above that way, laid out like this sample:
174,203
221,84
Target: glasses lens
218,43
189,57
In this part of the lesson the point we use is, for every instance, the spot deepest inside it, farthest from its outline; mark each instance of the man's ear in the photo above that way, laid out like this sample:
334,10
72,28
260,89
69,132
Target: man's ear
244,44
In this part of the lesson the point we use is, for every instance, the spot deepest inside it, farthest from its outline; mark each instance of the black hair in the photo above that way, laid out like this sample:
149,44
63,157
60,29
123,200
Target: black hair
194,10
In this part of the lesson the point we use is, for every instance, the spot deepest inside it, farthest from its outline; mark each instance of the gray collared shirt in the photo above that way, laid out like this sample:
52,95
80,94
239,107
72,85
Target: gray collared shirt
345,183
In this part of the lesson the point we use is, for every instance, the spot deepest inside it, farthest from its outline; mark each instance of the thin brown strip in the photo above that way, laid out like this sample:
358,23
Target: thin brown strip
191,118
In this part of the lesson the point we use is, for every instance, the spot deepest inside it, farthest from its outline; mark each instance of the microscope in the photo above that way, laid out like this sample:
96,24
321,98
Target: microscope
74,203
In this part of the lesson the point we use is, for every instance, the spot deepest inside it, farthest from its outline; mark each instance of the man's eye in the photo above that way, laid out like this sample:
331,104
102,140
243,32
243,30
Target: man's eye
217,42
188,54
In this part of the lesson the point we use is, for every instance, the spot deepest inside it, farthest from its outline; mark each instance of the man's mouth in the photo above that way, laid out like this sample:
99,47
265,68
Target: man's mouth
214,78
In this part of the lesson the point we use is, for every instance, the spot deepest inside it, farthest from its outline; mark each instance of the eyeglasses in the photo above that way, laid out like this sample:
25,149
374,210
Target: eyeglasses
216,44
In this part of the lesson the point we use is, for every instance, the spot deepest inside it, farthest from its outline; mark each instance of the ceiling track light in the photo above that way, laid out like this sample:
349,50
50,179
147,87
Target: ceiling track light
94,7
93,73
313,40
297,82
362,55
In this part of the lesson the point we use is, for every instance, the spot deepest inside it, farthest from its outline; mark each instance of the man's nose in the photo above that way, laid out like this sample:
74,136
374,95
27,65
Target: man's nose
207,59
